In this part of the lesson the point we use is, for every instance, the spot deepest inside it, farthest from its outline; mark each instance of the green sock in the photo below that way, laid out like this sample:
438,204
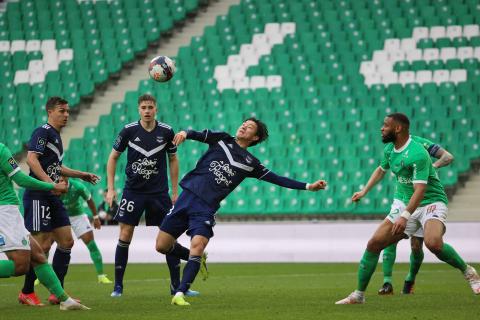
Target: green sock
49,279
389,255
96,256
7,268
366,269
450,256
416,259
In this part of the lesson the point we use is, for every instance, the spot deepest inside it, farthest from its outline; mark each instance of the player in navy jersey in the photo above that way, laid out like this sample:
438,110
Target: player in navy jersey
149,142
218,172
45,215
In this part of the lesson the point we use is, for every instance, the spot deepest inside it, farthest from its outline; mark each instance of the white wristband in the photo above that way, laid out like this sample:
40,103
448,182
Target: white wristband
405,214
307,185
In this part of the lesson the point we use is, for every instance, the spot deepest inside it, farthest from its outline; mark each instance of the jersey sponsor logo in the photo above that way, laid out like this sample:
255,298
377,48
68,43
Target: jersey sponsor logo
144,167
12,163
53,171
222,172
41,143
431,208
404,180
137,139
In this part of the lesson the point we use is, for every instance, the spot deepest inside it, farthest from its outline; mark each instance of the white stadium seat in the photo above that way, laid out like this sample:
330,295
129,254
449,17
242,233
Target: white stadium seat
272,28
17,45
372,78
458,75
420,33
241,83
48,46
391,45
423,76
33,45
396,56
437,32
389,78
414,55
274,38
367,67
4,46
221,72
274,82
408,44
465,53
224,83
37,77
406,77
440,76
65,55
448,53
476,53
379,56
35,66
471,30
287,28
21,76
258,82
431,54
454,32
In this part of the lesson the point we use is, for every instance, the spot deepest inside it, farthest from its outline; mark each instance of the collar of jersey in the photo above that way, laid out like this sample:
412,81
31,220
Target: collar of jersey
404,146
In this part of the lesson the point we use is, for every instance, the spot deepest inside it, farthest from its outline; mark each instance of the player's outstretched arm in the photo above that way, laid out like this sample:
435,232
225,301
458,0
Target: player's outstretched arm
291,183
444,158
111,168
85,176
205,136
376,176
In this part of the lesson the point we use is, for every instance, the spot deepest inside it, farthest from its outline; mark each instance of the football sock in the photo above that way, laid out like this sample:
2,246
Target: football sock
96,256
174,267
416,259
29,281
121,259
366,269
450,256
389,255
179,251
60,262
189,273
7,268
49,279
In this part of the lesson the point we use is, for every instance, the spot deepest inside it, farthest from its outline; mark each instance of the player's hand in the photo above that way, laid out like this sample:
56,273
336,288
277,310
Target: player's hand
111,195
60,188
399,226
317,185
90,177
96,222
179,138
174,196
358,195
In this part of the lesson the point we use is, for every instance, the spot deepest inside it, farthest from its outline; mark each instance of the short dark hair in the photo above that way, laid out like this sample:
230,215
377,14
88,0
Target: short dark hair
400,118
147,97
262,130
52,102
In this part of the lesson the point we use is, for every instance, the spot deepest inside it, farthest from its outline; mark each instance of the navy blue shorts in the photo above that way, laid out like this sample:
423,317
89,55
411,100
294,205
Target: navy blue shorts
44,212
191,214
132,206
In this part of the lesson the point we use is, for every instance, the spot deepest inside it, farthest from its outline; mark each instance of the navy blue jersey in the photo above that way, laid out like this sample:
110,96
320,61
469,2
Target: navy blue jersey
46,141
224,166
146,168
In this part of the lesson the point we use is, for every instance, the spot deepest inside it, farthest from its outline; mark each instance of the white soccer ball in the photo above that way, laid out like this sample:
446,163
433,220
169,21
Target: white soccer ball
161,68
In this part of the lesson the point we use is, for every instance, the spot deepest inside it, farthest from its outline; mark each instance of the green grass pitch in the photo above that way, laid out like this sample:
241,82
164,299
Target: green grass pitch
256,291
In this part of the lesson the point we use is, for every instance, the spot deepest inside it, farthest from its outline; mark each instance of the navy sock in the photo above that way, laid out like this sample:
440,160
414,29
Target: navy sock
179,251
61,260
189,273
29,282
174,267
121,259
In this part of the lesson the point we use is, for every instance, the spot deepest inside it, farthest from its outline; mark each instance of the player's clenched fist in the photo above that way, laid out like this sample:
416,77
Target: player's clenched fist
317,185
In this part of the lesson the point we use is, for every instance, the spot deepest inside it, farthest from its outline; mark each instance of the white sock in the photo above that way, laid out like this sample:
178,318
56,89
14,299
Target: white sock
359,294
179,294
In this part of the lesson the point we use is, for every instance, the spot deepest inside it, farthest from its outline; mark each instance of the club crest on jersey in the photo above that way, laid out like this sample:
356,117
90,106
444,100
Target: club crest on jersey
159,139
249,159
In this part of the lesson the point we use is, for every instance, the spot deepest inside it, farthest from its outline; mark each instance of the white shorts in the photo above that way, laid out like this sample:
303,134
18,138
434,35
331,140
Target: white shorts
13,234
396,210
80,225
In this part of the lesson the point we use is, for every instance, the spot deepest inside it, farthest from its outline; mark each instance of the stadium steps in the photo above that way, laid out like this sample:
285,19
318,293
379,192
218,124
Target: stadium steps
465,204
181,36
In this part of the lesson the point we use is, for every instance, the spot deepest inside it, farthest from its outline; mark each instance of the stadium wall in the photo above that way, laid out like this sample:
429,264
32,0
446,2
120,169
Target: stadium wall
281,242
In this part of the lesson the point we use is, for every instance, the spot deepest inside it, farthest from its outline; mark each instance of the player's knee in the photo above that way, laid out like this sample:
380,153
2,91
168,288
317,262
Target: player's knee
434,245
66,243
46,247
162,247
374,245
197,248
416,245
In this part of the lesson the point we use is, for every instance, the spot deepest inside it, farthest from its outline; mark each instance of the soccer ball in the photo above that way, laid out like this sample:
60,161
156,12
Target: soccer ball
161,68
